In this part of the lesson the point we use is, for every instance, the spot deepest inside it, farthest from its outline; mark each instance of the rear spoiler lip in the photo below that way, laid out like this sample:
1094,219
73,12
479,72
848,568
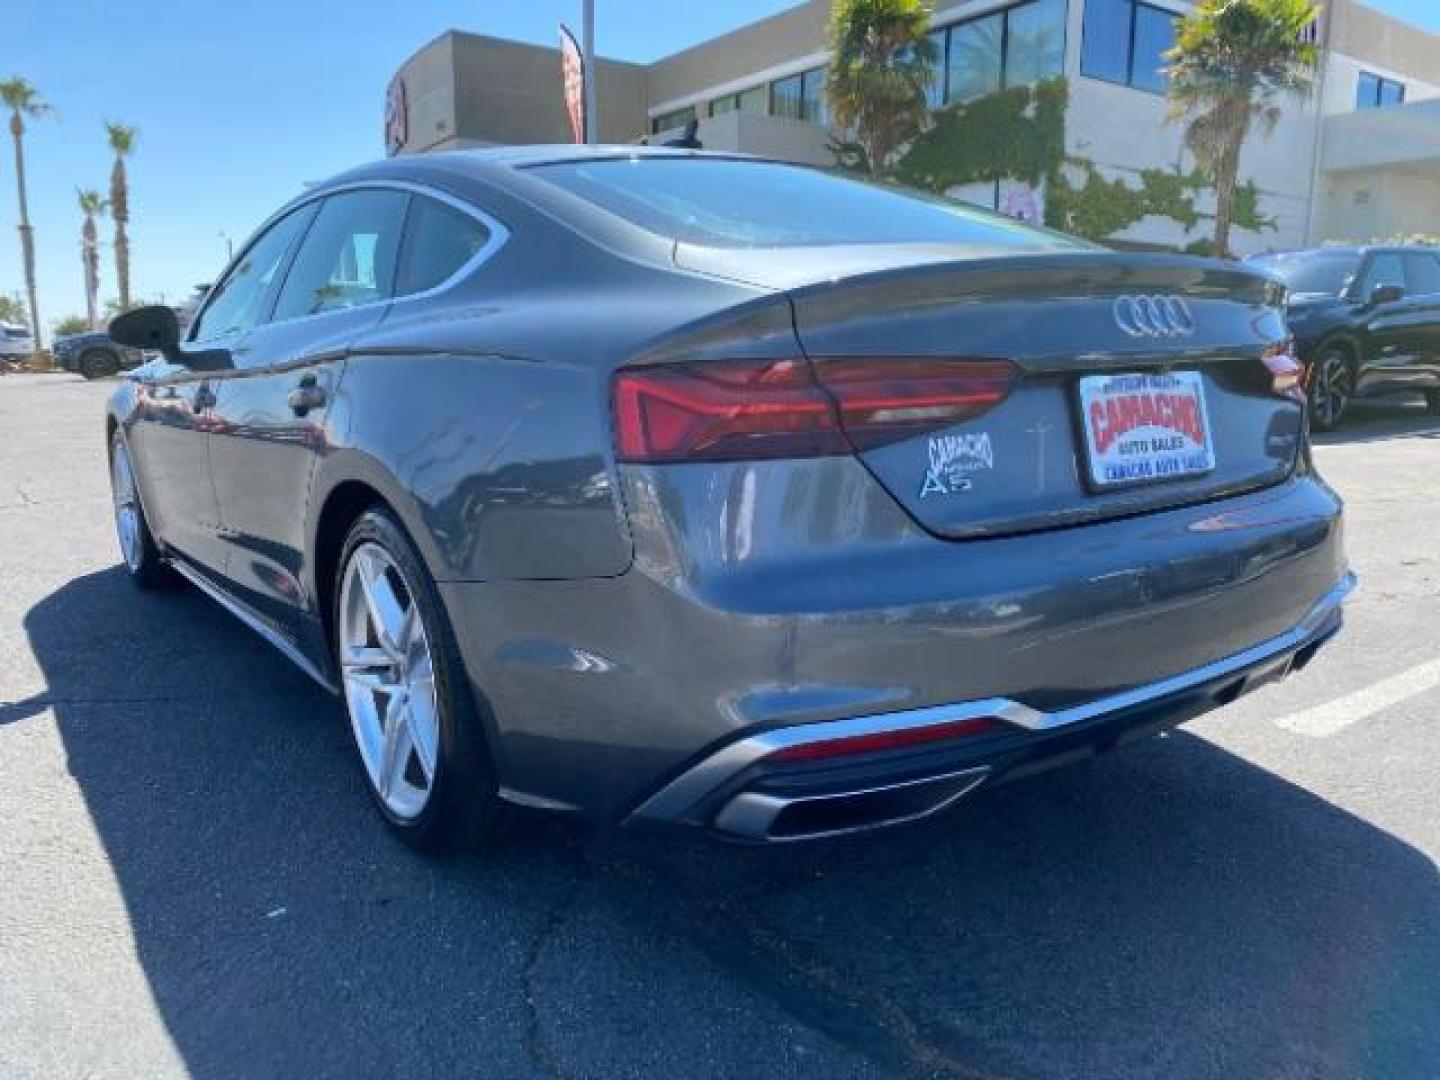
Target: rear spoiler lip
1149,357
822,269
1101,274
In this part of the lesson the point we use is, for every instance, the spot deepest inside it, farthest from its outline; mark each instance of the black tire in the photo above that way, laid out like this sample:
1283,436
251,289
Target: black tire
143,563
1332,387
462,804
98,363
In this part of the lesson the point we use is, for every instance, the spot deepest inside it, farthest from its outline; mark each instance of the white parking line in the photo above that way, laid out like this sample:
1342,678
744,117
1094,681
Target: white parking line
1335,716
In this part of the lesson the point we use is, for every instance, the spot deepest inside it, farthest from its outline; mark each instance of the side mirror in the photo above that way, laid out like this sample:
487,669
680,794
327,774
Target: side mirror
1387,294
152,327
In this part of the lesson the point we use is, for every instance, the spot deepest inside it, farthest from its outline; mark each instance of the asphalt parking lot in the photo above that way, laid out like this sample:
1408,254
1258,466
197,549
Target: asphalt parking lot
192,881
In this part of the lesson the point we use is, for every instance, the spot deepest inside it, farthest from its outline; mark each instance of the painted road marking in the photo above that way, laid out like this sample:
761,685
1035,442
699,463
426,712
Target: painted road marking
1335,716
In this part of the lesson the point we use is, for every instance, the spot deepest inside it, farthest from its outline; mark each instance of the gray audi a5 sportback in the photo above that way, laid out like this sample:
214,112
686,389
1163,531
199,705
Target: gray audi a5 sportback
658,486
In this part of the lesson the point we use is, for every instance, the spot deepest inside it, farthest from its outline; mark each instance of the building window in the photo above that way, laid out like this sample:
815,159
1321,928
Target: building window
1154,37
1125,42
1374,92
753,100
800,97
1019,45
1034,42
935,92
976,58
815,109
676,118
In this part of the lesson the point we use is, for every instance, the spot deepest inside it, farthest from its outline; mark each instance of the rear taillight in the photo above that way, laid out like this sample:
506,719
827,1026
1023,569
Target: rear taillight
723,410
877,741
727,410
885,400
1286,372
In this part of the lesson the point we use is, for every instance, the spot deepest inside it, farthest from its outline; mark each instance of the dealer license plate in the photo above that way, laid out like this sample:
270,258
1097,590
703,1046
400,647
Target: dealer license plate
1143,428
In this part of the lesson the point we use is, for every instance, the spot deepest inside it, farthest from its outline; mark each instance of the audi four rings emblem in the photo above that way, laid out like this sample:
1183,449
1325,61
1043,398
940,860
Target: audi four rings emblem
1153,316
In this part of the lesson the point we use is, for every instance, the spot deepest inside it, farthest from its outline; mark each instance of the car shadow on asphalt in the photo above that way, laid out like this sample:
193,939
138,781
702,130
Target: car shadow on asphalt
1169,911
1381,420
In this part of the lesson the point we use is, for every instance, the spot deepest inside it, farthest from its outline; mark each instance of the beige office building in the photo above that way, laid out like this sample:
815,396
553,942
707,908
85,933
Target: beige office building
1359,160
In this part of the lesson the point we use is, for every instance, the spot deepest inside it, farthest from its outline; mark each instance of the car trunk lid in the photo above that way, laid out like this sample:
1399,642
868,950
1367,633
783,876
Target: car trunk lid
1139,383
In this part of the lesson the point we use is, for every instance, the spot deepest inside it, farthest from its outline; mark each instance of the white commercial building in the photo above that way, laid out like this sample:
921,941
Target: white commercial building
1358,160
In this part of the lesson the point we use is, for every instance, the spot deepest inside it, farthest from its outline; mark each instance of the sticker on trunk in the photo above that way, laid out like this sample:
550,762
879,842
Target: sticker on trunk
952,460
1141,428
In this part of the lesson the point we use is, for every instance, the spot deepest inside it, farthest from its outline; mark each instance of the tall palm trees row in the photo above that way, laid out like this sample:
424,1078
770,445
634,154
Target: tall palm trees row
24,102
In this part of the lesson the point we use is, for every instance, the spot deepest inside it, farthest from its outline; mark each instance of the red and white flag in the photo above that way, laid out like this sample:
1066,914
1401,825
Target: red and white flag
572,71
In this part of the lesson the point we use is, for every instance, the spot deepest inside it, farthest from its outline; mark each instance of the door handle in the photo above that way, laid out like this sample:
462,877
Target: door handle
308,395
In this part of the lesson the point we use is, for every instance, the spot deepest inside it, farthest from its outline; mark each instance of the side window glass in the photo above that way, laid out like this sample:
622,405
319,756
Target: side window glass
1383,270
348,257
1422,275
238,302
439,241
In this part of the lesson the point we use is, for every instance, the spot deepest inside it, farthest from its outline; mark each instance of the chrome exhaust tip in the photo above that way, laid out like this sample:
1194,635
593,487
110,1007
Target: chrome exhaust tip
771,818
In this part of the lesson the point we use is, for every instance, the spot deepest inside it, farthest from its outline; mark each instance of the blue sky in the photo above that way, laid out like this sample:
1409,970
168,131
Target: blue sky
240,104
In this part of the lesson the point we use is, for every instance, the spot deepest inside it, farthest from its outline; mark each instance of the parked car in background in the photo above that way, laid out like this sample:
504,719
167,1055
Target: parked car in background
16,342
95,355
665,487
1366,322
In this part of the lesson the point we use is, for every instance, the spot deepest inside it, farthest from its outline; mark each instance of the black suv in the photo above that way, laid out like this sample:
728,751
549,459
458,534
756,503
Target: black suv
94,355
1366,322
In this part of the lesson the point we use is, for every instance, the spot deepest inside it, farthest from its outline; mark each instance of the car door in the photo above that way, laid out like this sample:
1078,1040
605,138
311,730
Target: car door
1383,326
170,441
1422,283
271,408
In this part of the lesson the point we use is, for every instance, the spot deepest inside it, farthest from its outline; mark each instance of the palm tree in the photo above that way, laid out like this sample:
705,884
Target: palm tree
1233,62
23,101
122,141
91,205
880,69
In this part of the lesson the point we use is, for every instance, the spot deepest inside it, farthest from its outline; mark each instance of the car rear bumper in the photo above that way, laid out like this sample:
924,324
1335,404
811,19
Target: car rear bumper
741,791
776,599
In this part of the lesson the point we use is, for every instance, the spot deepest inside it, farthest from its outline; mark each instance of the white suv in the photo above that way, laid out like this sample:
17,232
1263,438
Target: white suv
15,341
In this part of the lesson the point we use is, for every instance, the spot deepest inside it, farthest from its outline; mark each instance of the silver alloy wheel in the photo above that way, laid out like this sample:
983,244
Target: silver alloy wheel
1330,392
389,679
127,508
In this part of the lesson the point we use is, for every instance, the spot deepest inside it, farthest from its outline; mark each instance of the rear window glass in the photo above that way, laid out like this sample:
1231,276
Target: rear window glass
1323,273
726,203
